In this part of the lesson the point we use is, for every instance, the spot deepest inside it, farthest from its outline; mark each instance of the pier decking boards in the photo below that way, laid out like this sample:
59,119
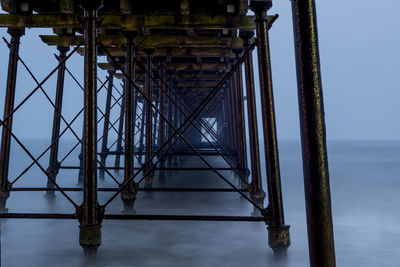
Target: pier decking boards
184,67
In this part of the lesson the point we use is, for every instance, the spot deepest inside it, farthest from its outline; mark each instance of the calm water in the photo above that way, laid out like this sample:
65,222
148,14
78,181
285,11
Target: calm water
365,188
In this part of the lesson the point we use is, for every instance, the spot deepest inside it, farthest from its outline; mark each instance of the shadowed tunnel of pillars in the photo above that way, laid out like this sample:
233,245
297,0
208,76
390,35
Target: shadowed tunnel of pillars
169,124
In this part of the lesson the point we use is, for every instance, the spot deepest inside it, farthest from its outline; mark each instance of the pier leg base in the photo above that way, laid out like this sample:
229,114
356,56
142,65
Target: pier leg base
128,199
50,184
279,239
101,174
148,181
90,238
258,198
3,200
162,178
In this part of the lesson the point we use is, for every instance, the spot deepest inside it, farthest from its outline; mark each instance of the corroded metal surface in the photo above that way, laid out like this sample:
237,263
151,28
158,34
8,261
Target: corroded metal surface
313,135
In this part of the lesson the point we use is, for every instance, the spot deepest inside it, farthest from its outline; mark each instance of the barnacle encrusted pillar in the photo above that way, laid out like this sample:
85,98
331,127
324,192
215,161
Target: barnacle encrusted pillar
313,135
5,185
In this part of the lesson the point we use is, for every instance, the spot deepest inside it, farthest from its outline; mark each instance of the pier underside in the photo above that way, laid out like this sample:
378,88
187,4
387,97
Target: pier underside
180,78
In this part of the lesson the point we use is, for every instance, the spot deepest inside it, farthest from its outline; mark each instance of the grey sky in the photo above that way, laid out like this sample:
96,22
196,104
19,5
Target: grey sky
359,44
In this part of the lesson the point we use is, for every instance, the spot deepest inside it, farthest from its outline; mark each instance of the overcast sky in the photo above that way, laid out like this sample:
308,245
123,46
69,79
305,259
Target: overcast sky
359,46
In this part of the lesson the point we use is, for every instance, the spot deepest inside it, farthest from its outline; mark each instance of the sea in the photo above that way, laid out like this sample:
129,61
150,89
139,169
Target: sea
365,190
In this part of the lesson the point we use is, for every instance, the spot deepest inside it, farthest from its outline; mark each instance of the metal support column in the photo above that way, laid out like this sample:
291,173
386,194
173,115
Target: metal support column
141,132
161,134
90,214
5,185
53,168
117,162
278,232
128,195
241,120
313,135
175,123
155,125
229,99
169,129
104,149
256,191
235,117
148,112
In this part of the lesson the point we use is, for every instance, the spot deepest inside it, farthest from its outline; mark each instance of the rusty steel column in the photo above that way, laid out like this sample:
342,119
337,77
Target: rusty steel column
104,149
80,157
128,194
236,115
224,118
229,99
148,112
135,123
141,137
118,150
256,191
278,232
155,123
5,185
175,122
241,120
313,135
90,214
169,129
161,133
53,168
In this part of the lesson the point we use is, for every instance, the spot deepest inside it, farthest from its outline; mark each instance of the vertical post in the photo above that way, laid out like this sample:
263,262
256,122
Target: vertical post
161,134
155,124
104,149
278,232
53,160
90,214
80,157
5,185
128,195
120,129
313,135
256,191
224,118
135,124
148,109
231,116
241,118
235,116
169,127
141,143
175,122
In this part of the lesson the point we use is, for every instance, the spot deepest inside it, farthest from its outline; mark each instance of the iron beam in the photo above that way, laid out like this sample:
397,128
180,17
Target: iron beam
104,147
53,160
256,191
148,112
128,195
313,135
278,232
90,214
5,185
